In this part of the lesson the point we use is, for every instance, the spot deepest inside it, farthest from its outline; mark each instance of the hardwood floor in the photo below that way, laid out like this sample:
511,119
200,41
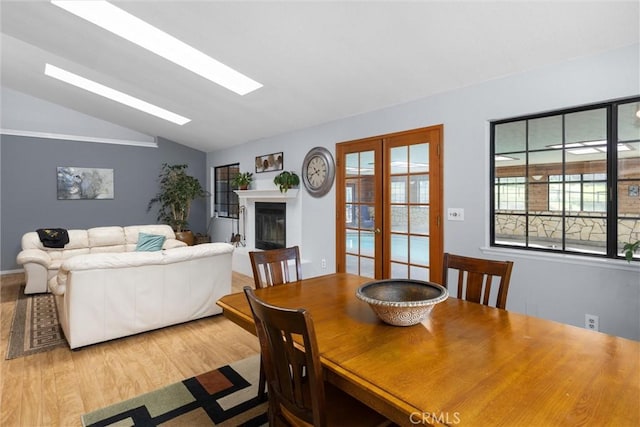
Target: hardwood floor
56,387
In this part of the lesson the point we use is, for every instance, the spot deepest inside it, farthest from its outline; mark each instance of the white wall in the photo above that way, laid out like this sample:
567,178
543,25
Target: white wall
558,288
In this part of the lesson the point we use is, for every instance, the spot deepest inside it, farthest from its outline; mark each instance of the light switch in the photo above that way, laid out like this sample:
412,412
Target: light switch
455,214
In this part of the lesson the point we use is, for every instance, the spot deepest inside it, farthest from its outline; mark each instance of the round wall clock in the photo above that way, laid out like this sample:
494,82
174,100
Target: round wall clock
318,171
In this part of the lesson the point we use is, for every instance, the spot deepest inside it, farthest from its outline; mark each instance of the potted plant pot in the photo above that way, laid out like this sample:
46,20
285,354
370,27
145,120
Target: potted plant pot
186,236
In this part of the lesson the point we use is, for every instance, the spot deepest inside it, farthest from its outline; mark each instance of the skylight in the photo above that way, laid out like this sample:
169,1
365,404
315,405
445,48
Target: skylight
137,31
115,95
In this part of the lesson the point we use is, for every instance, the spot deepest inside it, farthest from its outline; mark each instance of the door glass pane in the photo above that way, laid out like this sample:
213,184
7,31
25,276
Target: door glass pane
419,250
352,264
419,220
419,158
419,185
352,243
351,189
367,163
367,243
398,189
366,216
352,164
399,271
349,217
367,267
399,219
399,160
399,248
419,273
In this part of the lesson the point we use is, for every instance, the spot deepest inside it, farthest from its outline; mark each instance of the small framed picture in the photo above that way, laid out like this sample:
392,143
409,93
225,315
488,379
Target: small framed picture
634,190
269,162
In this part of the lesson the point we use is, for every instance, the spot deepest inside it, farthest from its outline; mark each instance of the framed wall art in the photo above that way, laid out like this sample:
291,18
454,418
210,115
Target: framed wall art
76,183
269,162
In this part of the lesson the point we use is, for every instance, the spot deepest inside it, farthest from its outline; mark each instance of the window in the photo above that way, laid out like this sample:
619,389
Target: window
567,181
226,200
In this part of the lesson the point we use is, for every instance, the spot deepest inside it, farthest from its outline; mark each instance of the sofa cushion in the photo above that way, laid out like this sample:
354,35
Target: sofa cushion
131,231
106,236
149,242
77,239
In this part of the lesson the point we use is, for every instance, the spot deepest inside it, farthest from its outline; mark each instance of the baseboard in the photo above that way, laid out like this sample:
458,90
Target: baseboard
8,272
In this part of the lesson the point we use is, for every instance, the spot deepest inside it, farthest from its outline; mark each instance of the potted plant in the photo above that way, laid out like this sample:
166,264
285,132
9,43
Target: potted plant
242,180
629,249
177,191
286,180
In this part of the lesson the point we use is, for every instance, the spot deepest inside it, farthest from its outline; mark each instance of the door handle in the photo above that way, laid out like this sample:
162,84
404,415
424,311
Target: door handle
377,231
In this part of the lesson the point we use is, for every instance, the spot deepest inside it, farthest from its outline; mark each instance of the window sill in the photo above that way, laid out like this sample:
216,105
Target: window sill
608,263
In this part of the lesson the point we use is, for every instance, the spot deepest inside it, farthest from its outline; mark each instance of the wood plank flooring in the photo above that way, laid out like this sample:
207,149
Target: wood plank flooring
56,387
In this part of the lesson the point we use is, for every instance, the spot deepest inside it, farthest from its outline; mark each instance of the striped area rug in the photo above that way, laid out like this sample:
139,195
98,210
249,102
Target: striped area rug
226,396
35,327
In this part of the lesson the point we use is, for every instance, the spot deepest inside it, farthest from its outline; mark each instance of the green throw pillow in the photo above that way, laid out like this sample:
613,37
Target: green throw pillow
149,242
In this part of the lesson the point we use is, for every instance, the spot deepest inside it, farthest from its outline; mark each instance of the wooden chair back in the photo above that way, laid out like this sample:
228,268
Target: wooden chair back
475,277
272,267
294,377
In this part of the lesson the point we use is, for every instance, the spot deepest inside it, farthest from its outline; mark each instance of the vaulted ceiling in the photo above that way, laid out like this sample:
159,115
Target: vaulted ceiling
318,61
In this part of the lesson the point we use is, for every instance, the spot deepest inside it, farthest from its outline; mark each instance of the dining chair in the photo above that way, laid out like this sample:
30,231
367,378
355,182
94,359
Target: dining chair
475,277
298,394
272,267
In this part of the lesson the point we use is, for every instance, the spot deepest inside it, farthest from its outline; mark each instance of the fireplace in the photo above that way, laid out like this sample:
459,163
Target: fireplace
271,228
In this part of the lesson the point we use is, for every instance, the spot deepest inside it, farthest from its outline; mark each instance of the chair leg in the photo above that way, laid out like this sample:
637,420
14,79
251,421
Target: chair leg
262,384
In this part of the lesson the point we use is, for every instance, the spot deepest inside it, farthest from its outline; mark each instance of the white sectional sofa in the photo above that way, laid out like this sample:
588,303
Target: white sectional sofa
110,295
42,263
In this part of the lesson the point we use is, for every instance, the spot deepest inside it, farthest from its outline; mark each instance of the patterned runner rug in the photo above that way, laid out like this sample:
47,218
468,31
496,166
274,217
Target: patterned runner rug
226,396
35,327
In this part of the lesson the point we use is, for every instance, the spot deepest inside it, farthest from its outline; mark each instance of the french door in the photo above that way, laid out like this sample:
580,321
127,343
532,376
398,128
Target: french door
389,205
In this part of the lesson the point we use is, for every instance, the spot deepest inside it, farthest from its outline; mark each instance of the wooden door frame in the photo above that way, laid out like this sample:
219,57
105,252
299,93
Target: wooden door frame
436,215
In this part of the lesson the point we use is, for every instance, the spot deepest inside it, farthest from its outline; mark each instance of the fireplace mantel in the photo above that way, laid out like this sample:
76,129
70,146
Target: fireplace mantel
267,195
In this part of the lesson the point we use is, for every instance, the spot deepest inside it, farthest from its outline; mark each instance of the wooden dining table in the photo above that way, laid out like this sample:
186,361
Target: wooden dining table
466,364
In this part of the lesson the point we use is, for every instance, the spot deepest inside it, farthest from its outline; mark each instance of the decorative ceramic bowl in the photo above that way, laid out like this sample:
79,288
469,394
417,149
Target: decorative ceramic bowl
402,302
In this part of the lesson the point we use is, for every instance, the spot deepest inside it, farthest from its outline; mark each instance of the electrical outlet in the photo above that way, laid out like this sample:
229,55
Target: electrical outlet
455,214
323,263
591,322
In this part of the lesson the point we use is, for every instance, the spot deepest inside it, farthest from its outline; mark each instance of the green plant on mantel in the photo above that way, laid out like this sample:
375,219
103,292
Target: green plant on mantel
629,249
286,180
242,180
177,191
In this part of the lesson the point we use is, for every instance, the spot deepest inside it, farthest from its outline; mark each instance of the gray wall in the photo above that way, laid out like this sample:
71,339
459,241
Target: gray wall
28,186
556,287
